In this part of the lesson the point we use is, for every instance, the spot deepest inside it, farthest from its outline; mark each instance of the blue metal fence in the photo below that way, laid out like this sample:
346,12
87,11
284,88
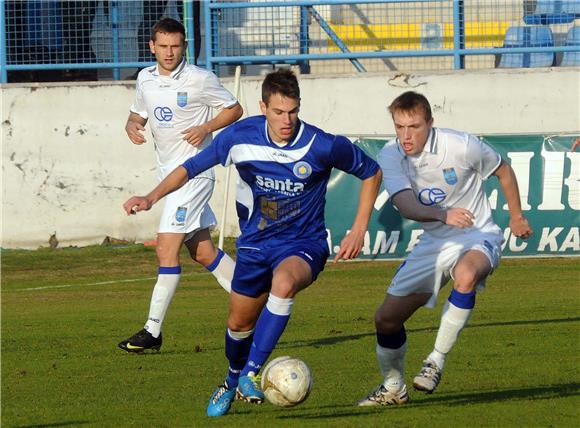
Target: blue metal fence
71,40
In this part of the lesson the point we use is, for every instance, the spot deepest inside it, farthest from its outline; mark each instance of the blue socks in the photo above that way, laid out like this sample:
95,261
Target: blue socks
269,328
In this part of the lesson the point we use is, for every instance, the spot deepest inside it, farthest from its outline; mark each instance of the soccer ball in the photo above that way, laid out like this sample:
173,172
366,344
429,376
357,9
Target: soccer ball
286,381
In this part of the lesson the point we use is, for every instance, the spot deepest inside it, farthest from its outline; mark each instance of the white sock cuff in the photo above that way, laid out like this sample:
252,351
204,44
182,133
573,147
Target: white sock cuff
240,335
456,314
279,306
381,350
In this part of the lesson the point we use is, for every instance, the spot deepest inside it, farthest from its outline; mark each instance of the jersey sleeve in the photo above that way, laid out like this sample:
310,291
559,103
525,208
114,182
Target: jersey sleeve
395,179
215,95
138,105
216,153
481,157
349,158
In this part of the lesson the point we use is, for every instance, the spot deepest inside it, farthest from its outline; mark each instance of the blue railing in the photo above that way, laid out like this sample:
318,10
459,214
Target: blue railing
372,35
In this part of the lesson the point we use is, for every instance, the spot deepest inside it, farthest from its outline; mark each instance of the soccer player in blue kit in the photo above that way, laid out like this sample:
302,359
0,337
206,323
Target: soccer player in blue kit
284,166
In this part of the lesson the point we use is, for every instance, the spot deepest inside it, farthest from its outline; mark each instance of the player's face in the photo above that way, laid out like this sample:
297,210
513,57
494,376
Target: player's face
168,49
282,117
412,130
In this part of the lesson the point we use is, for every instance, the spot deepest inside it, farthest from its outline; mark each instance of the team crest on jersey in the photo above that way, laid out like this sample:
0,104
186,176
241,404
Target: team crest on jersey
180,216
182,99
450,176
302,169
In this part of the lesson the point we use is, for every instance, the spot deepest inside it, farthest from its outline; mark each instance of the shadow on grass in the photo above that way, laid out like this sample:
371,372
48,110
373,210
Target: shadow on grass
334,339
340,339
538,393
55,424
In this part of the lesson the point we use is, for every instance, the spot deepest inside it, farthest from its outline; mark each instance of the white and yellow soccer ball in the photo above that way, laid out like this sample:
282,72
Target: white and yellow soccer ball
286,381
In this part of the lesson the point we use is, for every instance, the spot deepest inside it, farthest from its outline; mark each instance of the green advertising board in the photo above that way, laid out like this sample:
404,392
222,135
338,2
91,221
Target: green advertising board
548,175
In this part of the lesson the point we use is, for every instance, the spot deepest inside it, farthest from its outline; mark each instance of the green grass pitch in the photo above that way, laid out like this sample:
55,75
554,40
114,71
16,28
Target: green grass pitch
65,310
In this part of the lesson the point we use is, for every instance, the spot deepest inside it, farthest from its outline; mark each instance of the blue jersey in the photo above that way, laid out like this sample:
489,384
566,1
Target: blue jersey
281,192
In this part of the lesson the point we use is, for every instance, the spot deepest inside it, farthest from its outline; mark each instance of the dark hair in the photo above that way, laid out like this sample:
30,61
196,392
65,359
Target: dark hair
409,102
167,25
282,81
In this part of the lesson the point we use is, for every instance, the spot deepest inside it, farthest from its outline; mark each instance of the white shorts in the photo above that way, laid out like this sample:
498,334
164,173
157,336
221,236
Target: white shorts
430,265
187,209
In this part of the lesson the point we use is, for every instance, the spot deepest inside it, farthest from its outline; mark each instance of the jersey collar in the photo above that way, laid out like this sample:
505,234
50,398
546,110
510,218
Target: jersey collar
431,146
175,73
292,143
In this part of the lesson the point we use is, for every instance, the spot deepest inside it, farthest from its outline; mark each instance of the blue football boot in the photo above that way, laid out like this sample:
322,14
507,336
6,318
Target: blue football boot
248,389
221,400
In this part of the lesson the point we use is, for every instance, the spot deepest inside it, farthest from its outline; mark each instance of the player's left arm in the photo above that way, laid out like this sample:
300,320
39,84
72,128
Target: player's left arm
353,242
347,157
509,185
195,165
196,134
214,95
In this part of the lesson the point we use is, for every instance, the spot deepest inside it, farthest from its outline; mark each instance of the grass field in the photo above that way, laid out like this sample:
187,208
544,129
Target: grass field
63,312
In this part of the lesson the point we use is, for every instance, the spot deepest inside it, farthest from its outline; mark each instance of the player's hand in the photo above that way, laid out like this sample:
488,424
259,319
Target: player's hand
135,132
136,204
195,135
350,246
520,227
459,217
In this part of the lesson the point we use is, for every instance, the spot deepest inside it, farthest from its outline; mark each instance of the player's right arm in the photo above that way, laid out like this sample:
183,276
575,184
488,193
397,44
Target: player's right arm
398,185
135,128
177,178
409,207
195,165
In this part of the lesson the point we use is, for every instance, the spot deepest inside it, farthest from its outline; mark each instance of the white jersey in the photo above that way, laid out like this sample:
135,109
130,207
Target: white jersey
171,104
449,173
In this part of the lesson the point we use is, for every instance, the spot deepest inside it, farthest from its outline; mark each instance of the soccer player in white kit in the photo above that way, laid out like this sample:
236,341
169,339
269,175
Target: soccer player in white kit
436,176
177,99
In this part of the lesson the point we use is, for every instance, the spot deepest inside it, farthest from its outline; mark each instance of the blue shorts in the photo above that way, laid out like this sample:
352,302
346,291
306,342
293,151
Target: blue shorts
255,266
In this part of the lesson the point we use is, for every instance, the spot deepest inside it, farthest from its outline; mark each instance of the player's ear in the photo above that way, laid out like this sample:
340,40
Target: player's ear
152,46
263,107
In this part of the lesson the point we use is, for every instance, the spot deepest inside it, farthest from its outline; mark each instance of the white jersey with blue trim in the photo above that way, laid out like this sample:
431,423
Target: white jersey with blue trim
448,173
281,190
171,104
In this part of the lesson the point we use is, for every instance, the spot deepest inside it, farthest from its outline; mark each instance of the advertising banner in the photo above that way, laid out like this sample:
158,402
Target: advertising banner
548,176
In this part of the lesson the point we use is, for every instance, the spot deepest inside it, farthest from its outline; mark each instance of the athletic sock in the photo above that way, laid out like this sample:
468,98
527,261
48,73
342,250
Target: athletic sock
223,269
269,328
391,349
454,318
238,345
167,282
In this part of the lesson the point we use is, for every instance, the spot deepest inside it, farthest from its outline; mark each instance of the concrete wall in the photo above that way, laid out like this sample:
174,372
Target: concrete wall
67,165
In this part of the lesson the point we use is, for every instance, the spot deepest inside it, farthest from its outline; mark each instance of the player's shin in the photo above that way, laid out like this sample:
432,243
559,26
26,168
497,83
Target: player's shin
454,318
238,345
167,282
269,328
391,349
222,269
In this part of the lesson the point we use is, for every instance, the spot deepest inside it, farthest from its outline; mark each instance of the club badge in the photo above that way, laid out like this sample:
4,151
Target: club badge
302,170
180,214
182,99
450,176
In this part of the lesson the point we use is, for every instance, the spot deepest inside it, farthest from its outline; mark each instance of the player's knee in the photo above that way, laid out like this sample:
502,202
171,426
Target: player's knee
205,258
465,279
237,324
166,256
284,287
386,324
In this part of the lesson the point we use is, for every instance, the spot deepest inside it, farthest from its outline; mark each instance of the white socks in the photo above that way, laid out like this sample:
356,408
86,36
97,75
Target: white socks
392,364
453,320
167,282
222,268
